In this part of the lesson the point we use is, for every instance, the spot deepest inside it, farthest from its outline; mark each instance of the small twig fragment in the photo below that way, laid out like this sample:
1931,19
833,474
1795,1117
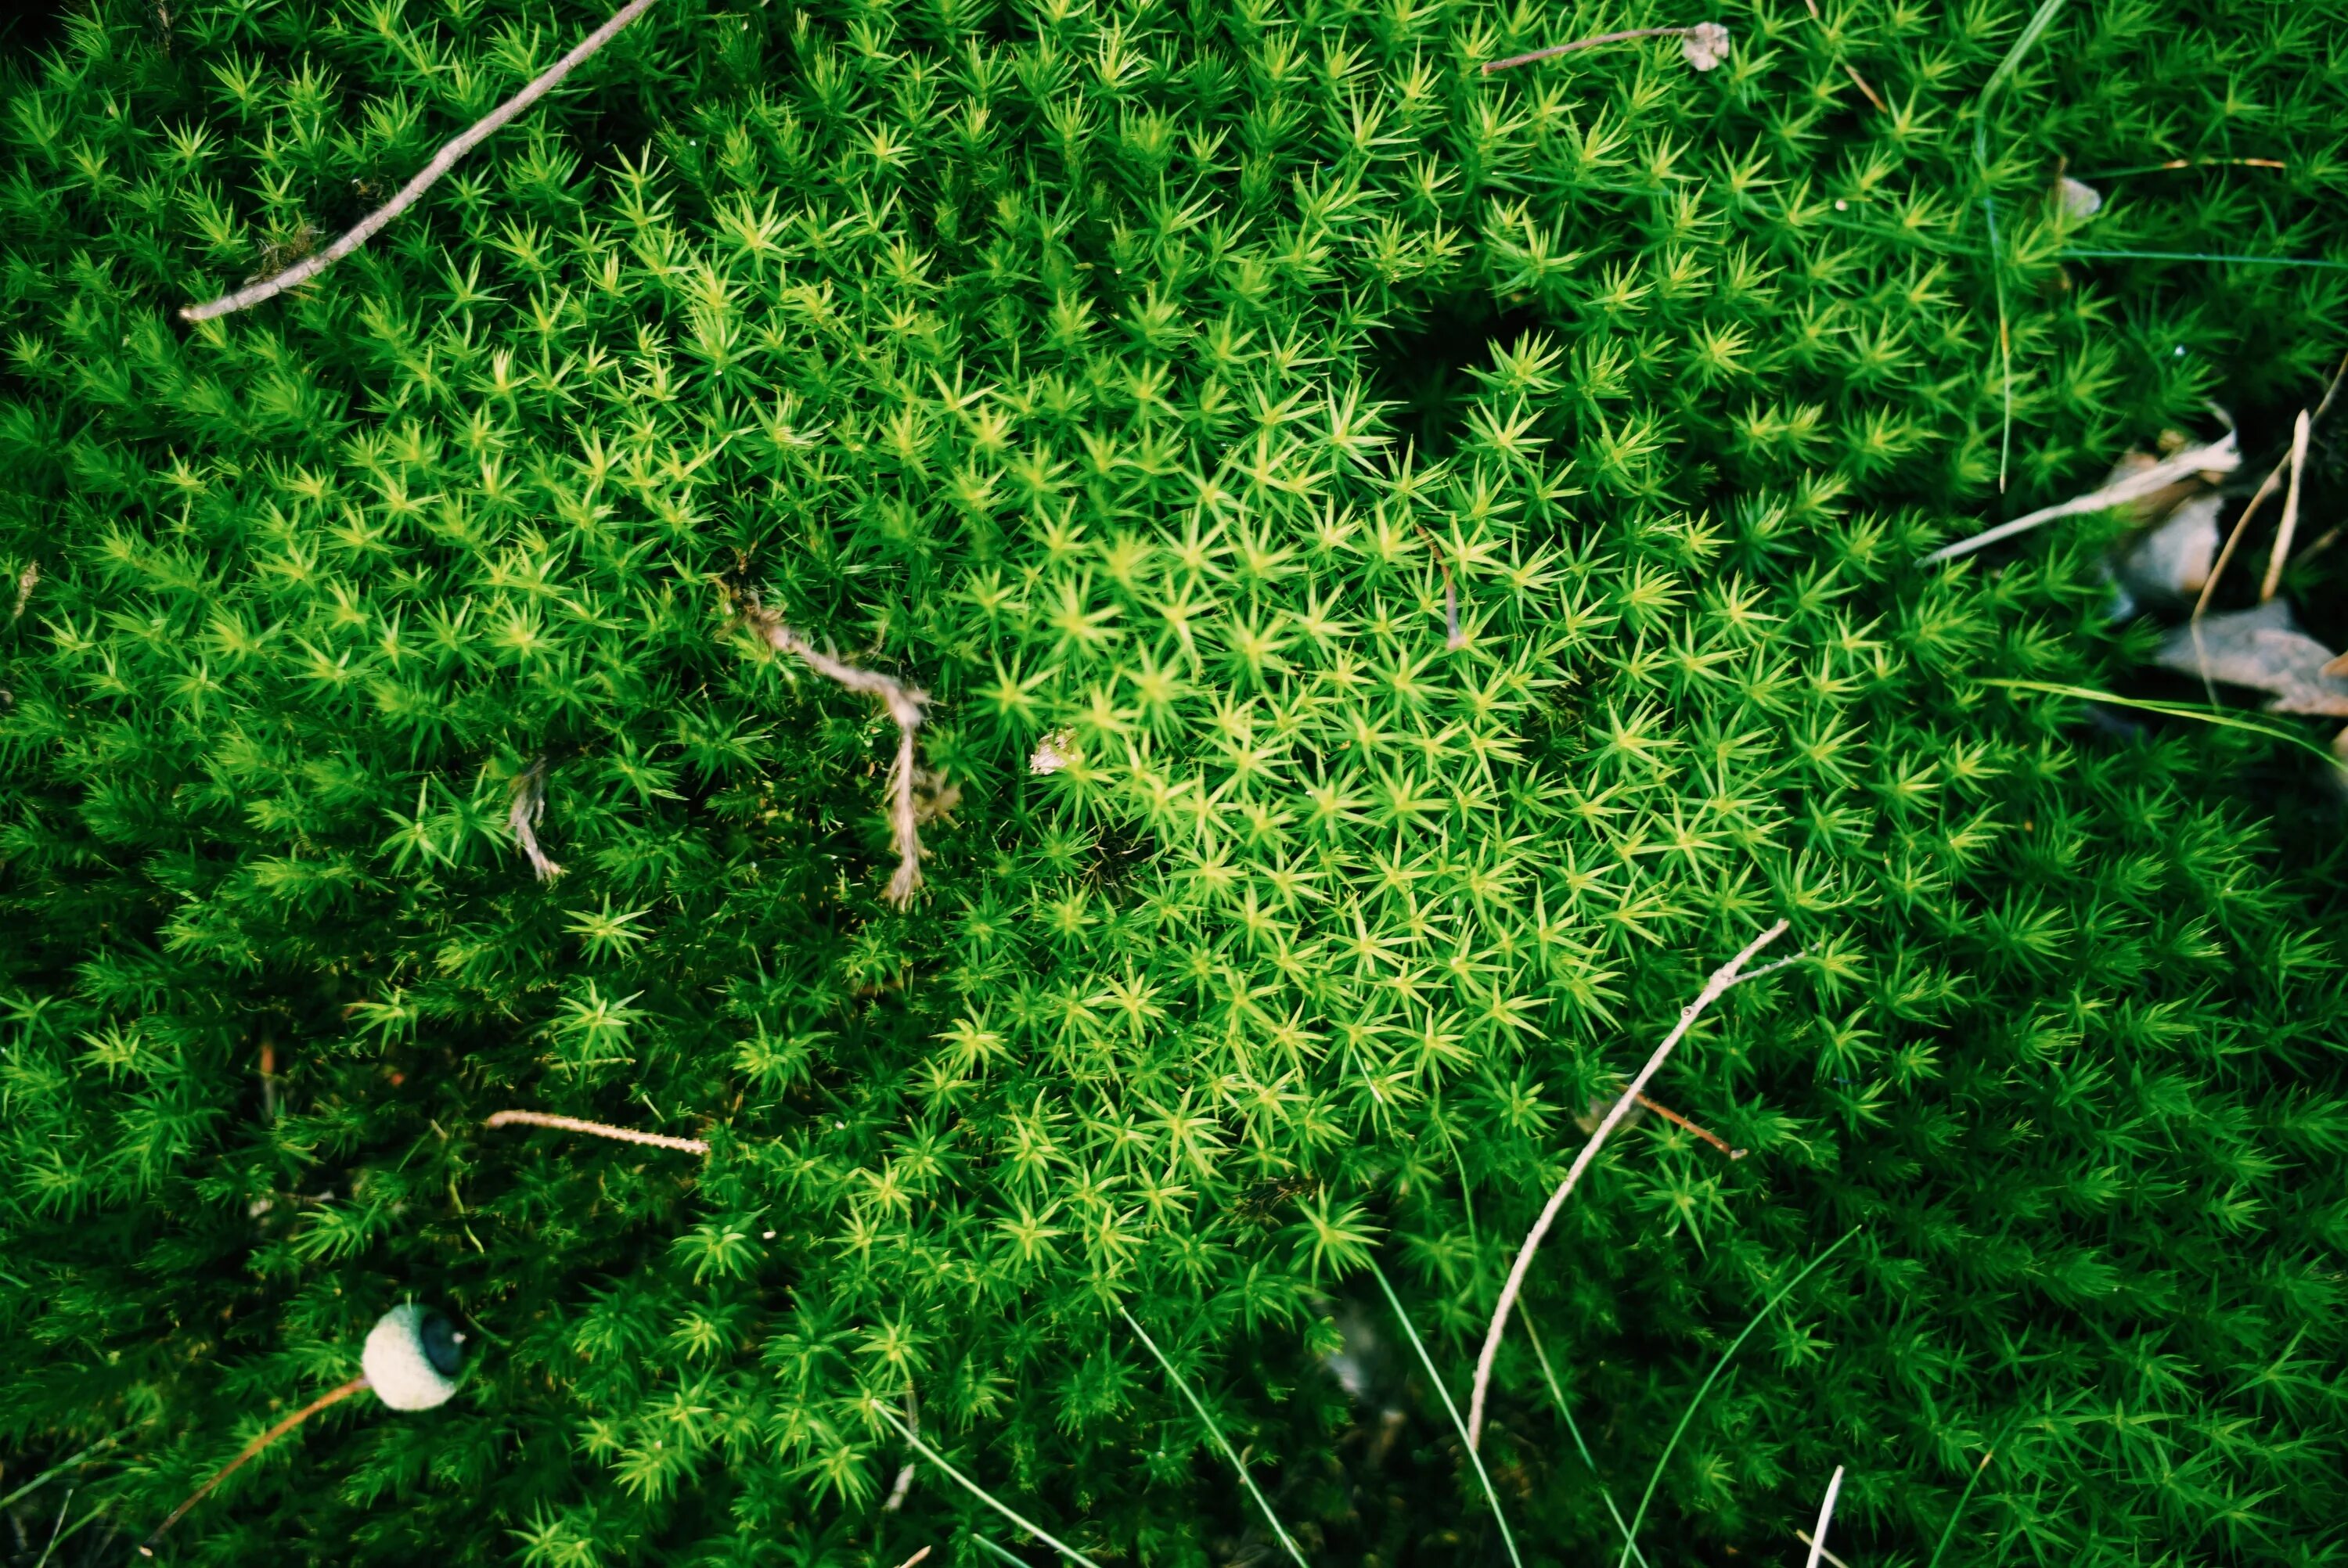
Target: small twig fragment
1676,1120
1848,69
599,1129
442,162
2288,527
526,811
905,705
1722,979
1704,46
26,581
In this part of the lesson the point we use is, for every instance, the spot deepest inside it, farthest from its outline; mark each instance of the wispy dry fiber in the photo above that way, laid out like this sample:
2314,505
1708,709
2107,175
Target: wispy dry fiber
527,810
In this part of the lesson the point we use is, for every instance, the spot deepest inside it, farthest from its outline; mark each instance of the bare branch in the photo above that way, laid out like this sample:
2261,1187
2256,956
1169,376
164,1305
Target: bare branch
600,1129
1722,979
905,705
2219,457
442,162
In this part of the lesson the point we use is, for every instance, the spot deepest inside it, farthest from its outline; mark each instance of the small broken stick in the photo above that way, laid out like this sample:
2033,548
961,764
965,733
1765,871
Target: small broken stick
905,705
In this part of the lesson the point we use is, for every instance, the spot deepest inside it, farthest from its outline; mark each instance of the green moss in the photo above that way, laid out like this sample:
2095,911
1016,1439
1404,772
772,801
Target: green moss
1141,377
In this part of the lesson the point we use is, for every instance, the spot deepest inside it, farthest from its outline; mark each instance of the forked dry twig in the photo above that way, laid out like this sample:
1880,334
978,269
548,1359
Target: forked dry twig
442,162
1722,979
599,1129
905,705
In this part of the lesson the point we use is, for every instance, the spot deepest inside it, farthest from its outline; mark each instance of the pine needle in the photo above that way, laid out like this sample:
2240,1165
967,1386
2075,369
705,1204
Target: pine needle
1435,1378
1215,1432
1694,1405
980,1493
1722,979
442,162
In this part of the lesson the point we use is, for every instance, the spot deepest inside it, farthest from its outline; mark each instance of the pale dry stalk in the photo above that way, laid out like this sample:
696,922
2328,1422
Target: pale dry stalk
2220,456
905,705
1818,1538
2286,530
599,1129
1722,979
442,162
1702,35
332,1397
526,811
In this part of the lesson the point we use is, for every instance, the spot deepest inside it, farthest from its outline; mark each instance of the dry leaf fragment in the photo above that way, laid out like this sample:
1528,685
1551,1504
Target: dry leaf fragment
1704,46
2264,649
2165,566
1053,753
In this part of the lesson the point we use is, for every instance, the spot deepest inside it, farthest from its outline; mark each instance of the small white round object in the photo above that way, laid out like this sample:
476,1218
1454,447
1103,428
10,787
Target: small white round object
412,1357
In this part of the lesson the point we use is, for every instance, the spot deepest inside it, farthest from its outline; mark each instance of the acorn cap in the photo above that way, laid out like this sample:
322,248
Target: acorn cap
412,1357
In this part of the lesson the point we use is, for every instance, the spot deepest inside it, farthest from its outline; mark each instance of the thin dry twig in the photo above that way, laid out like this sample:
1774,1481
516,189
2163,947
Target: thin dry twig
1817,1542
332,1397
1722,979
1705,45
2288,527
905,705
2220,456
915,1559
527,810
600,1129
1848,69
442,162
1832,1560
1676,1120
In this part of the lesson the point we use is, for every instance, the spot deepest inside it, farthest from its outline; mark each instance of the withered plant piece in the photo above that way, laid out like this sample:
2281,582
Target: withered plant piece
598,1129
1704,46
2264,649
528,808
2287,529
2220,456
905,705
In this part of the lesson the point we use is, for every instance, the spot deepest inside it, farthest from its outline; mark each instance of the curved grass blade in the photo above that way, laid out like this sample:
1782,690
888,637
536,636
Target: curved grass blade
1719,1367
2224,718
1222,1441
980,1493
1435,1378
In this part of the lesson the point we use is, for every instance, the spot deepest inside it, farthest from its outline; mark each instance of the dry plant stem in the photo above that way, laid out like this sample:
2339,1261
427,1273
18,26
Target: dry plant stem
1856,79
2288,527
442,162
904,1482
904,705
1676,1120
333,1397
1722,979
1826,1513
1513,61
916,1558
600,1129
2219,457
526,811
1831,1560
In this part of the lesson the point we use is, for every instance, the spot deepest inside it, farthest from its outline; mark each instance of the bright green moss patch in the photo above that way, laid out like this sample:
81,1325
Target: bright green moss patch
1141,381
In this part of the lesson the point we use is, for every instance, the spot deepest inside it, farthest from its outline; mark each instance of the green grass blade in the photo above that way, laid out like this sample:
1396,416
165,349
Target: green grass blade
2205,256
1726,1355
980,1493
1574,1430
1490,1496
1967,1495
1222,1441
2224,718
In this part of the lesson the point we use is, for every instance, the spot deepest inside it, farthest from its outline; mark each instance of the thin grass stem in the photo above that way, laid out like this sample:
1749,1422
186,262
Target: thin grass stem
984,1496
58,1469
2224,718
1222,1441
1490,1496
1573,1430
1688,1415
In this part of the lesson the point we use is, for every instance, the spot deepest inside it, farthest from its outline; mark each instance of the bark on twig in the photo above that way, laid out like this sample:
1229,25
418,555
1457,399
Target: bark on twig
442,162
905,705
599,1129
1722,979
